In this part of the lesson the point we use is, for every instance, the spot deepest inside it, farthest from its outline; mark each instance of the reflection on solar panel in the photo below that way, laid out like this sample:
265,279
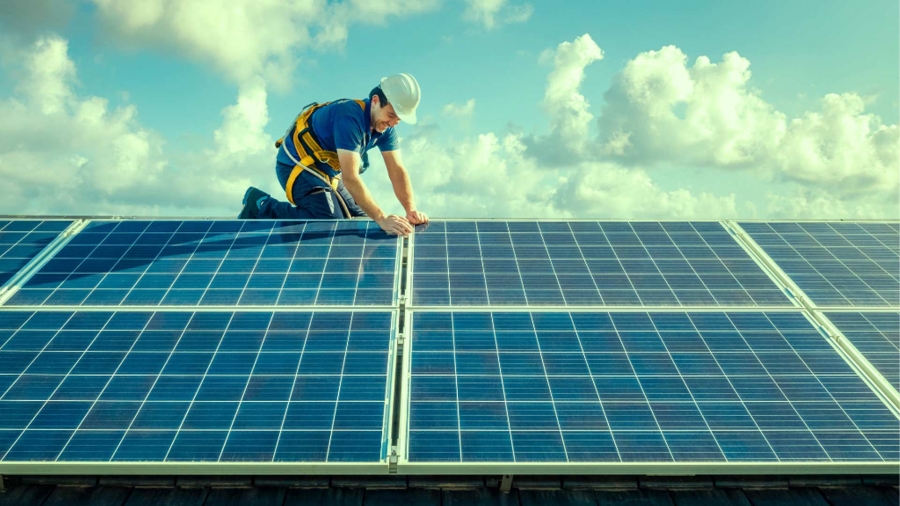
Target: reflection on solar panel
204,386
836,264
22,240
637,387
585,264
224,263
876,336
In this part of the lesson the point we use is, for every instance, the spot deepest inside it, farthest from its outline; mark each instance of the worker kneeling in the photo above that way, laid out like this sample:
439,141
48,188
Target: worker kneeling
322,154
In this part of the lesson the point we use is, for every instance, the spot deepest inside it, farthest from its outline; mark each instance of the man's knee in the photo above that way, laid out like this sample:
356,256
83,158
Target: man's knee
321,202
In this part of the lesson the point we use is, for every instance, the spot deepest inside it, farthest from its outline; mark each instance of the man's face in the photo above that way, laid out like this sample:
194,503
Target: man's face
383,117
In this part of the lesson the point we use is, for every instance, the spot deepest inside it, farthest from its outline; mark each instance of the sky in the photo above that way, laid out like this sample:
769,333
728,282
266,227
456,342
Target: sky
566,110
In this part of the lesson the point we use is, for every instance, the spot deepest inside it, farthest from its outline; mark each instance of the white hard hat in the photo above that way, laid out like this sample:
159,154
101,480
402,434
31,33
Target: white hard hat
402,91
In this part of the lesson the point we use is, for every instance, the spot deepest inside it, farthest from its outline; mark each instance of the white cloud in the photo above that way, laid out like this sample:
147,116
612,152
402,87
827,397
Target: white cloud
570,118
466,110
607,190
245,38
61,153
660,111
240,39
241,135
242,153
842,149
494,13
472,178
49,76
813,203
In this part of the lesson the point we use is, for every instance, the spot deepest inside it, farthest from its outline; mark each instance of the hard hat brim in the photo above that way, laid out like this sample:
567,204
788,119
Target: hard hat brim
408,117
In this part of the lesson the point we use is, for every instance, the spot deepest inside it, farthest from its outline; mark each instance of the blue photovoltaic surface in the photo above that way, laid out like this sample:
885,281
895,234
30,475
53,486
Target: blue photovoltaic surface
637,387
836,264
500,263
876,336
221,263
22,240
204,386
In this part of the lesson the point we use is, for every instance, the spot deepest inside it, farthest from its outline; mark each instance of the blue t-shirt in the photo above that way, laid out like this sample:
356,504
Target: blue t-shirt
343,124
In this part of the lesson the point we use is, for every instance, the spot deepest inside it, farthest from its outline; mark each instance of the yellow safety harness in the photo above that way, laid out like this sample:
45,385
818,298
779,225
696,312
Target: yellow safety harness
310,152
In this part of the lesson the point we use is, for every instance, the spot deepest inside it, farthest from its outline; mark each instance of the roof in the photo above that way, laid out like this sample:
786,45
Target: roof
573,491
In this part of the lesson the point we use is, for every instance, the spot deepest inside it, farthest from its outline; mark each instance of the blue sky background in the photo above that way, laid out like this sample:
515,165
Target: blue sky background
798,52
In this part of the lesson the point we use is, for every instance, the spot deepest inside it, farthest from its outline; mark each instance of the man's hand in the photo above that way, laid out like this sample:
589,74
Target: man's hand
395,225
416,217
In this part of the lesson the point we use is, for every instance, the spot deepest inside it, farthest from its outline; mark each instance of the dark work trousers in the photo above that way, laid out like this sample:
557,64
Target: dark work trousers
314,199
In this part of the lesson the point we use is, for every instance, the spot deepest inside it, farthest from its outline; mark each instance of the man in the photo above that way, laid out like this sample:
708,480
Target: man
324,152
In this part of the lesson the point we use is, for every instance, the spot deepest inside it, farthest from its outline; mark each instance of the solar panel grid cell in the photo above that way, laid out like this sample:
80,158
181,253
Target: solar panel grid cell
836,264
22,240
585,264
876,336
223,263
204,386
636,387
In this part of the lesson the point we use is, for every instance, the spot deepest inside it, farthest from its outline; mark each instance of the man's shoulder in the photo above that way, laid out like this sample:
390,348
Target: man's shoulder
345,114
346,106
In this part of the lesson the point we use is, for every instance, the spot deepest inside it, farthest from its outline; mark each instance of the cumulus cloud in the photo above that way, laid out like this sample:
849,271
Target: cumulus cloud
612,191
494,13
814,203
241,135
660,111
466,110
474,177
841,149
61,153
57,149
48,76
239,40
246,38
568,109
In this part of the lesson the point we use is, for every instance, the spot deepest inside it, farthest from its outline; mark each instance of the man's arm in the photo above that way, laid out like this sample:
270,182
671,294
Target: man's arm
402,186
390,223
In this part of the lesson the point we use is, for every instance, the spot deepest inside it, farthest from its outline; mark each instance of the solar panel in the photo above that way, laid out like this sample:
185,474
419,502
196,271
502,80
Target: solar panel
22,240
569,387
500,263
219,263
841,264
206,386
876,336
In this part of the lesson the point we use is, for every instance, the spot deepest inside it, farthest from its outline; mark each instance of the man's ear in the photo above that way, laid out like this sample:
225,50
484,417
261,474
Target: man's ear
375,100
